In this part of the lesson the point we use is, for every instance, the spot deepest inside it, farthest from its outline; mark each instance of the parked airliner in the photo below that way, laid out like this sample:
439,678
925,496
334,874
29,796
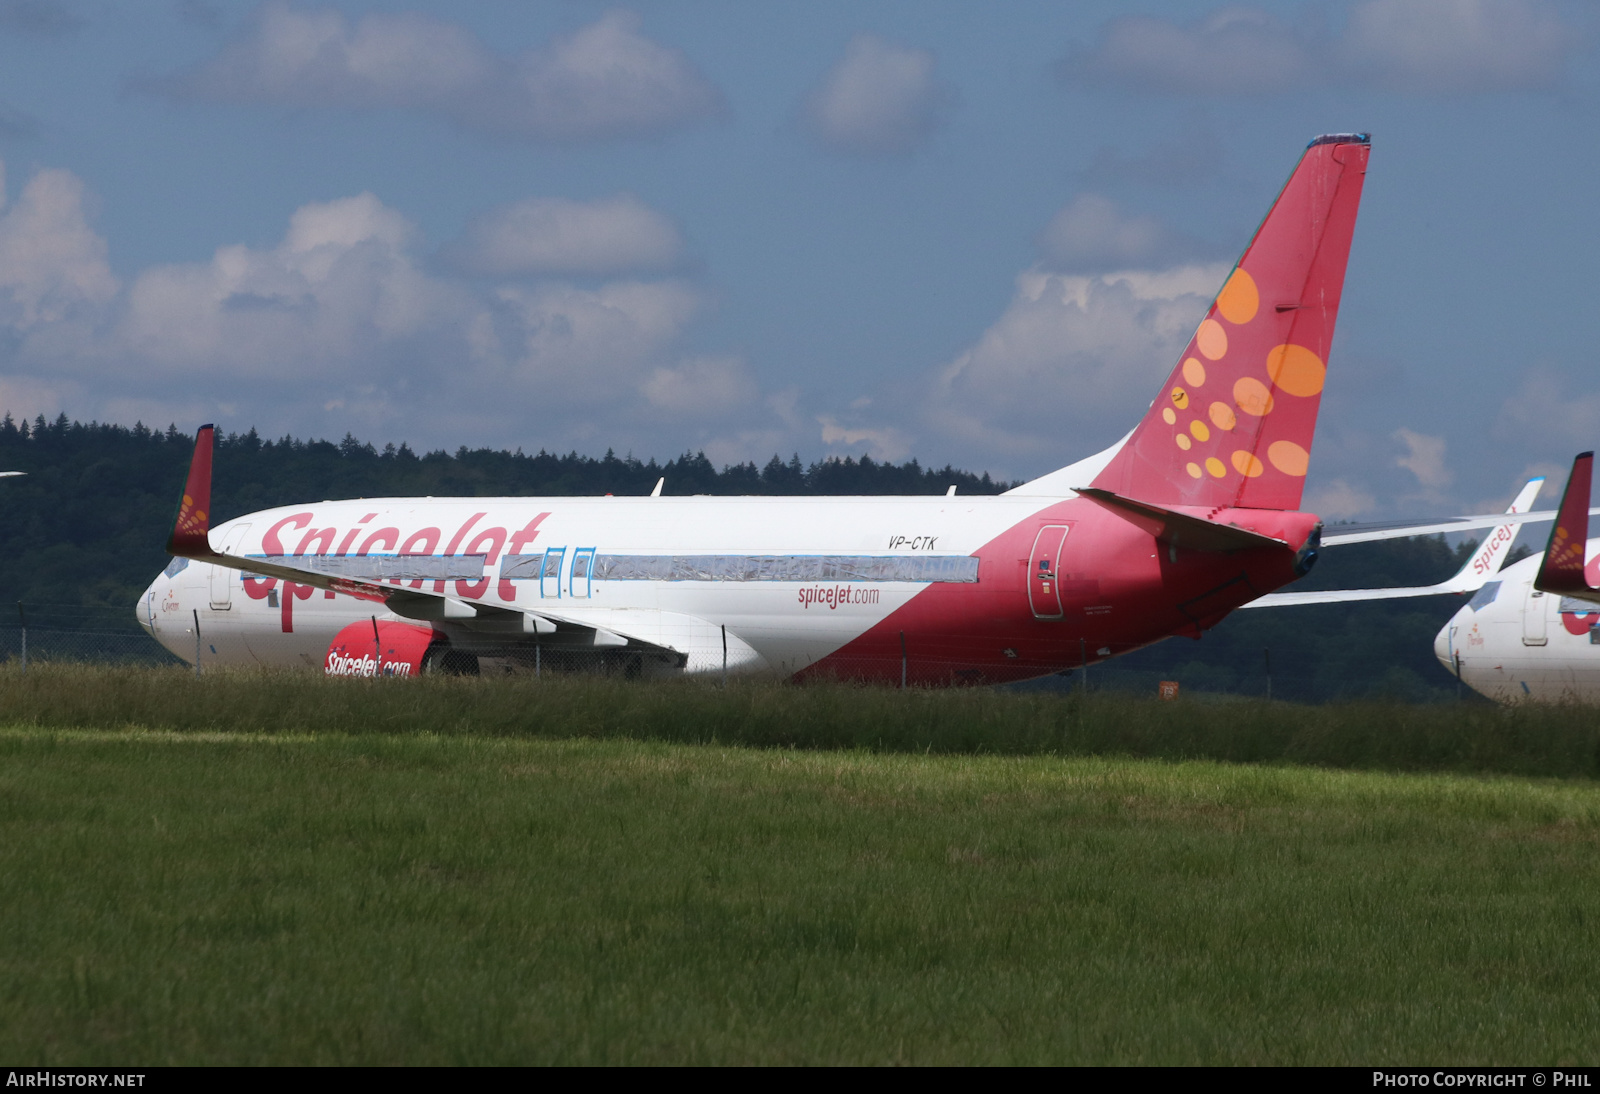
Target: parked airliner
1535,632
1193,514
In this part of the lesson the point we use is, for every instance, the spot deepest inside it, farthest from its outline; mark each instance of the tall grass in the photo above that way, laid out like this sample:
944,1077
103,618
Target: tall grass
412,898
1539,740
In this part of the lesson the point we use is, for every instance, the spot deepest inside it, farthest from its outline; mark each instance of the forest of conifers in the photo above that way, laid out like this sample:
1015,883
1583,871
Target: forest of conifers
84,530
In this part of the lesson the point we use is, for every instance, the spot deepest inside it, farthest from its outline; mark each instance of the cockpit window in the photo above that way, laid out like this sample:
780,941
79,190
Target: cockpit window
176,567
1485,596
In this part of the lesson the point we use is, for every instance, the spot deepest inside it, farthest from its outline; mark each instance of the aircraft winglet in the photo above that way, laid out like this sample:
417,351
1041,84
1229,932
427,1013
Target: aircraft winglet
1562,568
191,527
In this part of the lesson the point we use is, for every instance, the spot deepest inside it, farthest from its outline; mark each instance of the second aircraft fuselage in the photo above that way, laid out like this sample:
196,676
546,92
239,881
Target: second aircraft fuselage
1513,642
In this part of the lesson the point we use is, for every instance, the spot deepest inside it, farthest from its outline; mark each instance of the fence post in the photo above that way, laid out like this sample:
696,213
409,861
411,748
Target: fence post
1266,658
1083,661
377,646
23,616
724,655
537,669
196,612
902,660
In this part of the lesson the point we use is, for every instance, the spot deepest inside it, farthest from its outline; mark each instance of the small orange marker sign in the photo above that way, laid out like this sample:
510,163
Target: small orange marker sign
1167,689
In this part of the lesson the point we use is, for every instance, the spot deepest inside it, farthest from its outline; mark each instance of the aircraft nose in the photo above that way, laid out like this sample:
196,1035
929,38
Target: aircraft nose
142,609
1441,645
1444,642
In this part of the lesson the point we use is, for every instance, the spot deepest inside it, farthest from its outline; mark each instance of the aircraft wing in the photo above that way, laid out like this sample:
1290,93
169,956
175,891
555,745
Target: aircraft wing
1484,563
190,538
1365,533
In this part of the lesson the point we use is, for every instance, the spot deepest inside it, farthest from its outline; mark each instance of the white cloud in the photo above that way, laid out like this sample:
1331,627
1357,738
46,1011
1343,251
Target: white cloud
880,98
1069,354
1419,46
1458,45
1542,410
53,266
1090,233
560,236
590,346
340,323
1338,500
604,81
1232,51
1424,458
341,289
702,387
882,442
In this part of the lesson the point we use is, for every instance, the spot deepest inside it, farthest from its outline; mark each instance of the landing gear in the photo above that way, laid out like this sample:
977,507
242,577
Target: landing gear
447,661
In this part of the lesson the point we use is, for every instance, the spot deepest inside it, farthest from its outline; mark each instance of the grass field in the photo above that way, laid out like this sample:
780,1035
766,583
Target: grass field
253,869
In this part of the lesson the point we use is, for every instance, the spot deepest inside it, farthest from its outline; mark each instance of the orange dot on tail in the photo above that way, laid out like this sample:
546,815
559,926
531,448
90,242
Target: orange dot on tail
1296,370
1252,396
1212,339
1288,457
1193,469
1214,466
1238,301
1200,431
1180,398
1168,416
1183,441
1246,464
1194,372
1222,416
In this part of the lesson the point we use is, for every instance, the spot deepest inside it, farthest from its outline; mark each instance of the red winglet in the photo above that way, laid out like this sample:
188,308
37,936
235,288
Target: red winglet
1562,568
189,537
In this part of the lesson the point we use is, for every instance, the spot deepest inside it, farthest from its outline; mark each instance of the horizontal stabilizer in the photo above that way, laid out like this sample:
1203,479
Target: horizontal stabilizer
1180,529
1562,570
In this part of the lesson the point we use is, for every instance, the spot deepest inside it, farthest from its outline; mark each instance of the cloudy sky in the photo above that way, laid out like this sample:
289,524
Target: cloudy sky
970,234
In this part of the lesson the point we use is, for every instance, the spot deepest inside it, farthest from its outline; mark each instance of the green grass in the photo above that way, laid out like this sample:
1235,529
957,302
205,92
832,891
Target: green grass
1532,739
500,877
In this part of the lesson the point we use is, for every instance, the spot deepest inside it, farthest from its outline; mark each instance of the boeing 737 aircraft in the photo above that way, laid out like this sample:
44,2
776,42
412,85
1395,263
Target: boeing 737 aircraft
1193,514
1535,633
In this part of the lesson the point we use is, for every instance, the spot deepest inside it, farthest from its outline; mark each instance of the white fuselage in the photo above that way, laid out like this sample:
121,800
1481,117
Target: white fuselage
1513,642
763,584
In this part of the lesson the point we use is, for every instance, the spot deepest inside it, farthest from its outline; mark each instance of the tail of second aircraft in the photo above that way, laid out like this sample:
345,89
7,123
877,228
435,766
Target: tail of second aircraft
1234,424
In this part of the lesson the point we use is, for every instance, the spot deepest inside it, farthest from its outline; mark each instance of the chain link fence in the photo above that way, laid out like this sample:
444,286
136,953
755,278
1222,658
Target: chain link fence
44,633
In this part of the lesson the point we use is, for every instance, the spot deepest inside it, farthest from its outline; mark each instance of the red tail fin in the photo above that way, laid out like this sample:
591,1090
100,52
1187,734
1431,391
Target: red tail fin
189,531
1234,424
1562,568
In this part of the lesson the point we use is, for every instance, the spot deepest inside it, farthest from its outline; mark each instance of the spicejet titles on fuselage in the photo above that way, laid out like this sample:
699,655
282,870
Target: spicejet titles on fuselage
489,542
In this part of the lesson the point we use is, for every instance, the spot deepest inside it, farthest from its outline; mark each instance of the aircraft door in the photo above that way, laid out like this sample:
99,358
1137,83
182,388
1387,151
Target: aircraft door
1044,566
1535,618
222,578
578,583
550,576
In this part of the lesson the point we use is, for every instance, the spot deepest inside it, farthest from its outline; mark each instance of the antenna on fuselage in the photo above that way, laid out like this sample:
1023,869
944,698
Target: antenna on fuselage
656,493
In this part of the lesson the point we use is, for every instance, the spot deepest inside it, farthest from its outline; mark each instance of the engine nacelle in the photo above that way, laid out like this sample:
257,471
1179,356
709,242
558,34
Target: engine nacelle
379,649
